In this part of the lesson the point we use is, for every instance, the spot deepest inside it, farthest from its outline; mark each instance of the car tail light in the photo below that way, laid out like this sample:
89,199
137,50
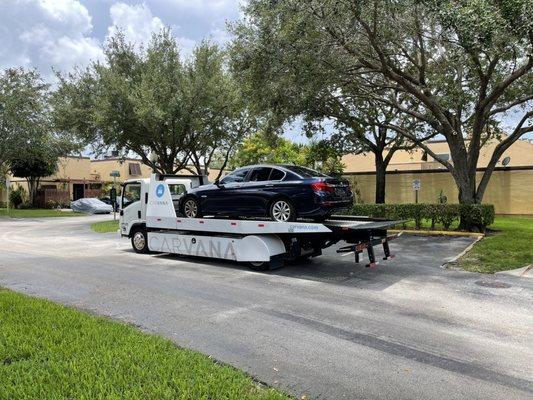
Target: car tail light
322,187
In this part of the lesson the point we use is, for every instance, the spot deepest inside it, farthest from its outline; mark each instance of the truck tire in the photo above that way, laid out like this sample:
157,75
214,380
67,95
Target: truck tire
139,240
259,266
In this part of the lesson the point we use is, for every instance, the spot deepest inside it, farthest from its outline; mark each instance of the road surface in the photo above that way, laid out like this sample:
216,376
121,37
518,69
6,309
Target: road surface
328,329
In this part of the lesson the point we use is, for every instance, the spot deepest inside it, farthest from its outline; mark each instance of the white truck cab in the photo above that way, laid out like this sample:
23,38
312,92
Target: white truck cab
134,198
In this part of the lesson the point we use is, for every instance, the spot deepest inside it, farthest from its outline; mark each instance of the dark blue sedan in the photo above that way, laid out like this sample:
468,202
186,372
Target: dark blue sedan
280,192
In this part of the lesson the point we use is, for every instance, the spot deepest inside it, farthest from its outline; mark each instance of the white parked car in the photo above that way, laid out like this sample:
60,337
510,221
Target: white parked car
91,206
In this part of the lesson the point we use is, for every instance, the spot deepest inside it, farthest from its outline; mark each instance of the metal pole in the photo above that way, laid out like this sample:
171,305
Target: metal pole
114,205
8,183
416,196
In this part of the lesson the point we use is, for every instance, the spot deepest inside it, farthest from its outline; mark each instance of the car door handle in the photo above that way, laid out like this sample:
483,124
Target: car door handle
269,185
203,196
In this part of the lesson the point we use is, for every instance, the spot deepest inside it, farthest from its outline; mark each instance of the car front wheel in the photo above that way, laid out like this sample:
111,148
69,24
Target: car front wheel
282,210
191,208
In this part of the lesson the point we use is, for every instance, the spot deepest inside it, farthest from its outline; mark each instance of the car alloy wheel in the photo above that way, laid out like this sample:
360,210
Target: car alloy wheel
190,208
281,211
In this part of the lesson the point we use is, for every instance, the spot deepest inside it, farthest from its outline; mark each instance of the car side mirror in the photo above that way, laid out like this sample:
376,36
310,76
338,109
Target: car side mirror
218,184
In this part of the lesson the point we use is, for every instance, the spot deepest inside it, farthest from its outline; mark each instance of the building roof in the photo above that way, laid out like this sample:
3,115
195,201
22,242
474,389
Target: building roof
521,154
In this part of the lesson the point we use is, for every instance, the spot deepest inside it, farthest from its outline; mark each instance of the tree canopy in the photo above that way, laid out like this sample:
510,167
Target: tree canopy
454,67
29,144
152,101
261,148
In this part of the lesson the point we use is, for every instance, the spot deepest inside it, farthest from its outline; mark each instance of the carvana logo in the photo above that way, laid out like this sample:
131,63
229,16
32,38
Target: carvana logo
160,190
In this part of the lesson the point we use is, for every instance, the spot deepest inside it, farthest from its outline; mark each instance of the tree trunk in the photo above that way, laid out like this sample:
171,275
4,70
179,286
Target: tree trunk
32,191
381,173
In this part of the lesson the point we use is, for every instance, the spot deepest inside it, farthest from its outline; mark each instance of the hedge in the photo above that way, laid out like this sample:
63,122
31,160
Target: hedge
474,216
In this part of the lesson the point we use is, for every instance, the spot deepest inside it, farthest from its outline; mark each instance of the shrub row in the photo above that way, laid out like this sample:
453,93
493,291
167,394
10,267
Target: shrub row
474,217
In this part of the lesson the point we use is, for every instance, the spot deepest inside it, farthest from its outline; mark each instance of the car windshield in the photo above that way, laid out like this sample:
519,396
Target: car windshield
305,172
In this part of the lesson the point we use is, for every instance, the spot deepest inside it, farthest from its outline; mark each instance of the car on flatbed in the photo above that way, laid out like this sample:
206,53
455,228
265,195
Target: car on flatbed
282,193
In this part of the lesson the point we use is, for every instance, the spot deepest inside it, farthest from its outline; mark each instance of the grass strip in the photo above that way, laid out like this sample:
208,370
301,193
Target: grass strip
105,226
48,351
506,246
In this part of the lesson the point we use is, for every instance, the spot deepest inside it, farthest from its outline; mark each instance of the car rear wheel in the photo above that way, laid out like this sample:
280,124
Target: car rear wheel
191,208
139,240
282,210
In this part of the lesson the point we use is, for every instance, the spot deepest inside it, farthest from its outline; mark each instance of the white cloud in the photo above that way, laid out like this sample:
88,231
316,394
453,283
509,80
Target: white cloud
46,34
136,21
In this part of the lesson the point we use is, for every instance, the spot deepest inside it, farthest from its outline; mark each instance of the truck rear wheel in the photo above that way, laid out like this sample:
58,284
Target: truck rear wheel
259,265
139,240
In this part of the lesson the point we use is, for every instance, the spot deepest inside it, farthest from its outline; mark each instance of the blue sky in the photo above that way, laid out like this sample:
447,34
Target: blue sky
60,34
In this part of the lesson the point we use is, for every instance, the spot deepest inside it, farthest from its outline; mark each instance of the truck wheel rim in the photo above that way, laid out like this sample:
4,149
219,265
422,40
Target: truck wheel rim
191,209
281,211
139,241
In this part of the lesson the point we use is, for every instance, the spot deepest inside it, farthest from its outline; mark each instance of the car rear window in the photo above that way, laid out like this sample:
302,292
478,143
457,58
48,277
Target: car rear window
276,175
305,172
260,174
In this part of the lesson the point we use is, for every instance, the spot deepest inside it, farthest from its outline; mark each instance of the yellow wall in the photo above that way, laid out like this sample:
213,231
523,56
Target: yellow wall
102,168
510,191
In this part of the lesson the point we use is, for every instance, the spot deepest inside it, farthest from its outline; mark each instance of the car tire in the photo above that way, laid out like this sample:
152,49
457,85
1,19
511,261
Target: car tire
139,240
191,208
281,210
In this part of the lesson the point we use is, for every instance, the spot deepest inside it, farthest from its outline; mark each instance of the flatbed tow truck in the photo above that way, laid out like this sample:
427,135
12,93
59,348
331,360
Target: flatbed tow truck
153,225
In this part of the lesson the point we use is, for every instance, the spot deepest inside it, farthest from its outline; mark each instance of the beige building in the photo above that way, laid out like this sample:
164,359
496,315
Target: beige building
510,188
79,177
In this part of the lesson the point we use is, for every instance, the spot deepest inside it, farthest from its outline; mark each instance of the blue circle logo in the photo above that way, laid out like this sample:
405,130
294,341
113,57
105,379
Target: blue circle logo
160,191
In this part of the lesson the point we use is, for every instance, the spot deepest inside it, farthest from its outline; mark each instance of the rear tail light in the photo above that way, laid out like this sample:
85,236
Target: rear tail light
322,187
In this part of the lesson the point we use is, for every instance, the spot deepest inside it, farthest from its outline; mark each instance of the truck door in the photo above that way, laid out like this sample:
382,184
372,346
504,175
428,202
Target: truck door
130,202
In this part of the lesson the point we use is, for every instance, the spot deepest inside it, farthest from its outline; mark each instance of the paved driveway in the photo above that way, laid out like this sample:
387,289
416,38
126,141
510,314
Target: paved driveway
328,329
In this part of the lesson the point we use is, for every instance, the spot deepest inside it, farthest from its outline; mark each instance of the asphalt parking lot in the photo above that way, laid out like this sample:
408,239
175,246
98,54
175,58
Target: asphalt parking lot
328,328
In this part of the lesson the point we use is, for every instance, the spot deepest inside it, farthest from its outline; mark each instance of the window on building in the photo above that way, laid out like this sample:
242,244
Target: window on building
443,157
134,169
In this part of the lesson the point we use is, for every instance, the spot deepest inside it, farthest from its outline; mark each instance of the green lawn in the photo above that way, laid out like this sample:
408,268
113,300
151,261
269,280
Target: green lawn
105,226
507,246
49,351
37,213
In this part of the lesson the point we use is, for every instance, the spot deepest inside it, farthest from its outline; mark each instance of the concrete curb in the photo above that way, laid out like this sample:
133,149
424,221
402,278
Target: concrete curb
438,233
457,257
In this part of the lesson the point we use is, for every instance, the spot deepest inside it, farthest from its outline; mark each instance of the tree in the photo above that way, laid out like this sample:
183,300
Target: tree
33,168
457,66
22,112
262,148
259,148
29,147
362,126
151,101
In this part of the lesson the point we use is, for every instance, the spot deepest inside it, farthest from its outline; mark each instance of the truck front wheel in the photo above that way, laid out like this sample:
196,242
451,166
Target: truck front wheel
139,240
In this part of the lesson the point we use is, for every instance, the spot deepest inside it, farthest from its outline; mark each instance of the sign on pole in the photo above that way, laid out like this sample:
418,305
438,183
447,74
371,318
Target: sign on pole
416,188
